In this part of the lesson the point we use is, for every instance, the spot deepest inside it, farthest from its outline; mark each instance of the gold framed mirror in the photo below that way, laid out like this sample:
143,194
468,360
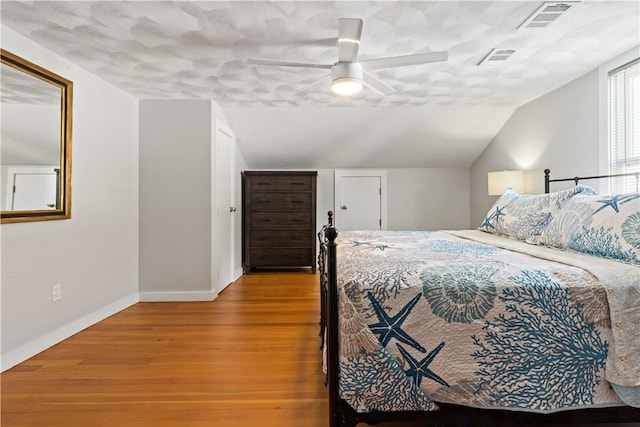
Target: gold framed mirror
35,158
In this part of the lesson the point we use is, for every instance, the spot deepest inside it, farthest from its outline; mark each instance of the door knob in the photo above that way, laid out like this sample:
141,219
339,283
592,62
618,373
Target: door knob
232,209
343,207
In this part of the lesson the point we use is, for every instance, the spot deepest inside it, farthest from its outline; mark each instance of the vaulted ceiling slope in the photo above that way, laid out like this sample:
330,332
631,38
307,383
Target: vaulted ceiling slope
441,114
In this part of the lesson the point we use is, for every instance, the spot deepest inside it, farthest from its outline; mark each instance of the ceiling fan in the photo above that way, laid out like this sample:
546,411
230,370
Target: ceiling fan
348,75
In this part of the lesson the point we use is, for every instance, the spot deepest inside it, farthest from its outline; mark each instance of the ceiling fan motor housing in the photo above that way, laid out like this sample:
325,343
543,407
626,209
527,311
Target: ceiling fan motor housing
346,78
346,70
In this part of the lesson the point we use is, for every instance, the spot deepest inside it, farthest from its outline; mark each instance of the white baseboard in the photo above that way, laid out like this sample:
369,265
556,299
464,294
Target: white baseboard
178,296
238,274
30,349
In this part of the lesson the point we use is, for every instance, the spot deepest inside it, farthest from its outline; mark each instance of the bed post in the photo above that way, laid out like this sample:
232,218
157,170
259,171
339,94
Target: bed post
333,359
546,180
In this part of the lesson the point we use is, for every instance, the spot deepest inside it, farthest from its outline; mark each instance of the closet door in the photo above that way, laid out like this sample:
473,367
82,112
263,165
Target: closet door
360,200
224,211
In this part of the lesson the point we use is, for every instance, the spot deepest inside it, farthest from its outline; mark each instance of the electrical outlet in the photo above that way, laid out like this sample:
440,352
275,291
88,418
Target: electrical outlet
56,292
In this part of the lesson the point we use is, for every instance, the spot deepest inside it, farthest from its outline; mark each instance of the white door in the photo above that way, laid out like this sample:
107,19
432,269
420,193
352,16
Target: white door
31,188
360,200
224,207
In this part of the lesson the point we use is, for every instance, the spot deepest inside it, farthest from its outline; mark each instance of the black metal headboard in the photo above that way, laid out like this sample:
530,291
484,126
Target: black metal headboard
548,180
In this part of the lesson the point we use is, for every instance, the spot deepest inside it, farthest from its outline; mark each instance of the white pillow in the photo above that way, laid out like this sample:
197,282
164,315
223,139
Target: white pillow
526,217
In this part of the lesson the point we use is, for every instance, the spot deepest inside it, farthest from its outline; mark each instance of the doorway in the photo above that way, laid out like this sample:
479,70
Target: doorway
360,199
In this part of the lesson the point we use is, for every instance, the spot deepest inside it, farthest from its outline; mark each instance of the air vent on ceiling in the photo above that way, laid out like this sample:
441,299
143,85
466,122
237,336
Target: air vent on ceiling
547,14
497,56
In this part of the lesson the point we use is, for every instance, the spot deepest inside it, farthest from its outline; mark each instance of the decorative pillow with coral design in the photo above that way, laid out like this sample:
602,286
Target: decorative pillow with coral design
526,217
605,226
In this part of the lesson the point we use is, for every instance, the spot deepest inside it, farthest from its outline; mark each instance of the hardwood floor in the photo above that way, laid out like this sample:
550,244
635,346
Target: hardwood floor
249,358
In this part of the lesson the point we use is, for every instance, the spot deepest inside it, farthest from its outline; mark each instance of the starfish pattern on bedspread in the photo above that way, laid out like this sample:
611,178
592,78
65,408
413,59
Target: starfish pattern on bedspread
487,223
420,369
380,246
389,327
615,199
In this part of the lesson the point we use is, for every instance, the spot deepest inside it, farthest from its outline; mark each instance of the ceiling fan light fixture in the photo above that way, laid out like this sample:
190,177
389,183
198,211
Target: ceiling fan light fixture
346,78
346,86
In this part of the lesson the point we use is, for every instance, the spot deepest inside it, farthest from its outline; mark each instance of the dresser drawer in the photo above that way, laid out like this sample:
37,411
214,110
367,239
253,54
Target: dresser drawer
281,238
280,183
278,257
280,201
280,220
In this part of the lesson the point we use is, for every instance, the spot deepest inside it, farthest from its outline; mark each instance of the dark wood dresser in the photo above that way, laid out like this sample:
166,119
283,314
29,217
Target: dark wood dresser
278,219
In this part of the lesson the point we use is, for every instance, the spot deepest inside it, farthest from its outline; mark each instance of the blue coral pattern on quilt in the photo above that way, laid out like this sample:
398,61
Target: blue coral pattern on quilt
460,248
437,318
372,381
605,226
528,349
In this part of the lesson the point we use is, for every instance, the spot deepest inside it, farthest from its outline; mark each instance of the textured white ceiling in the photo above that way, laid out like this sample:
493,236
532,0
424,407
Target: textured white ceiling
186,49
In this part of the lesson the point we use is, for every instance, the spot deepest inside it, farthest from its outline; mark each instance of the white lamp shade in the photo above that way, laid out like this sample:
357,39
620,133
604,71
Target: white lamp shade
498,182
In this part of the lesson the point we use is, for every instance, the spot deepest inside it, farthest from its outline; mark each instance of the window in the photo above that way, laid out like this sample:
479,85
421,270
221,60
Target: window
624,124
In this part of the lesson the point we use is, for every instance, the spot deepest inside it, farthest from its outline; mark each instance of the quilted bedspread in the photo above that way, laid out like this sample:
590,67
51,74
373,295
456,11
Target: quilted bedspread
484,321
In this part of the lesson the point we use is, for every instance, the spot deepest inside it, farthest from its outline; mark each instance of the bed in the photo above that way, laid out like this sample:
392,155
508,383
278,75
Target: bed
534,317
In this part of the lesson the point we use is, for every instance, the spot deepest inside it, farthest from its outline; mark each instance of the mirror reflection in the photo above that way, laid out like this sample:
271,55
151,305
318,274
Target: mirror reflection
35,150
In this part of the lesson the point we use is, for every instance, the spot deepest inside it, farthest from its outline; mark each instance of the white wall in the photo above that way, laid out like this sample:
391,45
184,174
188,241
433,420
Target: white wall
175,199
558,131
93,255
324,196
428,199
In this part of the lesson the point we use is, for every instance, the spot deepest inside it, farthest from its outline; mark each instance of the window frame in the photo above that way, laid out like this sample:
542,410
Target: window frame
604,155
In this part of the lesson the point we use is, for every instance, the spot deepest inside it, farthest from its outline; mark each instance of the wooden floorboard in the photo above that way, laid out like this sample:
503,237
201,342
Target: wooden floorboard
249,358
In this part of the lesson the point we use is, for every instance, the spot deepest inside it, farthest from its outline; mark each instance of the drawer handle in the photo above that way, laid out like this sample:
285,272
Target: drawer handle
297,201
298,183
298,220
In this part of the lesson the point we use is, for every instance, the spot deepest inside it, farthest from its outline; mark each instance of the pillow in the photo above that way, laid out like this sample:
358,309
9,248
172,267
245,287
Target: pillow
526,217
605,226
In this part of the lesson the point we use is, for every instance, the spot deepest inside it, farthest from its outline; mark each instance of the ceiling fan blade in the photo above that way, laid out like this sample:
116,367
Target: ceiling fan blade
323,83
376,84
400,61
257,61
349,32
